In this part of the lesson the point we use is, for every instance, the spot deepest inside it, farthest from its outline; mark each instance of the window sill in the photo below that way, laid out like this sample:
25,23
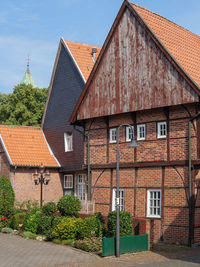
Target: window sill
153,217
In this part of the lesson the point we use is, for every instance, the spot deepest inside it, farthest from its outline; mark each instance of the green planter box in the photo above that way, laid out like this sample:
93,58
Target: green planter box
127,244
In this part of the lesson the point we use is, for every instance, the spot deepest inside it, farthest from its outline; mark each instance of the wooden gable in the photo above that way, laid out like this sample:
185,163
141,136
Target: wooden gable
132,74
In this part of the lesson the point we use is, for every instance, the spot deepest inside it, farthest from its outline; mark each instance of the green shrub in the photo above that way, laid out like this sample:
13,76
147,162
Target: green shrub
7,197
48,221
126,224
32,222
27,205
100,217
29,235
91,227
69,206
17,220
3,222
68,228
28,214
57,241
93,244
49,209
67,242
7,230
56,221
44,226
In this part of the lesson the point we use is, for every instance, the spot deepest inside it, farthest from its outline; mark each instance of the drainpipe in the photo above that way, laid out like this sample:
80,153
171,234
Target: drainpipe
190,185
190,178
13,177
88,160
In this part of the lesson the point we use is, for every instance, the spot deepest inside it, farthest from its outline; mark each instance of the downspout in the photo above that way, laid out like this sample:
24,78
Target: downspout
190,185
88,161
190,178
13,177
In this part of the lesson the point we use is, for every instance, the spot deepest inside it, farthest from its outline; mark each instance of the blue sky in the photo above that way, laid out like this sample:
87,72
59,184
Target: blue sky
35,27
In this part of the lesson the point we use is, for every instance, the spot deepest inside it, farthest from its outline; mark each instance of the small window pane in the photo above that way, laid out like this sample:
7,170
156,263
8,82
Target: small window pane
154,203
162,129
141,132
68,181
113,135
121,199
68,141
129,133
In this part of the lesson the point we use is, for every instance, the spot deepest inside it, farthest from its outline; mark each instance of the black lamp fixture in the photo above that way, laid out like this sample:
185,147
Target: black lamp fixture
43,177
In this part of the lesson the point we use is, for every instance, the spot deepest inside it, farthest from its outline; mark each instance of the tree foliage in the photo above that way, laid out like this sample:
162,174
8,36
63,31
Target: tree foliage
7,197
25,106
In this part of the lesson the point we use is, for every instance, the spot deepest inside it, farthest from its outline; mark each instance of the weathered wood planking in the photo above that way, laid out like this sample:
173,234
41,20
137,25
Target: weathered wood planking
133,75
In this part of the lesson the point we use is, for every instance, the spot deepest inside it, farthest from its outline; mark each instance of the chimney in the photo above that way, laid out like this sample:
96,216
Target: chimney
94,50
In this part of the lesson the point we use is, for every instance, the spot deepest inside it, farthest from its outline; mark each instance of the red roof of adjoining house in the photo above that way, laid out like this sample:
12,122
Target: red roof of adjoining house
182,44
82,54
27,146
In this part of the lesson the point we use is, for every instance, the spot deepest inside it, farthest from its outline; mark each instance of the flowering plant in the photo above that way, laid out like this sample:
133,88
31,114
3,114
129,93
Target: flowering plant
3,222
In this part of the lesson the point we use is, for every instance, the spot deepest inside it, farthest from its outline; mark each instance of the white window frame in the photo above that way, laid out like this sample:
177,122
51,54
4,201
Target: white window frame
81,187
159,124
68,140
128,133
149,206
139,126
121,199
66,177
111,135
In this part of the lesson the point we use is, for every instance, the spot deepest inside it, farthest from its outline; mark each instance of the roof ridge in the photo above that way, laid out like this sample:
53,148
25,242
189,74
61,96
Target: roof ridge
20,126
166,19
83,43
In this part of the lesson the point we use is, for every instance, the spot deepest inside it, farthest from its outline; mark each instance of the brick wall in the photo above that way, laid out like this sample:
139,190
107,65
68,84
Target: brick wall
171,179
26,189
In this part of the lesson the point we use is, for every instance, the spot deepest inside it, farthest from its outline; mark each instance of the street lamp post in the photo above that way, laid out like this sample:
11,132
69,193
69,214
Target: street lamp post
43,177
134,145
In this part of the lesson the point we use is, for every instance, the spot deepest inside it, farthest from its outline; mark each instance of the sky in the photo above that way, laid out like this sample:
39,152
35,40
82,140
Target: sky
34,28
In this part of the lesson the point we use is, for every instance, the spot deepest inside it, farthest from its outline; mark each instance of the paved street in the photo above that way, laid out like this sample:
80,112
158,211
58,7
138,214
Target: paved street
16,251
19,252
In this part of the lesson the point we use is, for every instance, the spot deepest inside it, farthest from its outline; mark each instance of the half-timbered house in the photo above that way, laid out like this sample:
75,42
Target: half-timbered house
148,76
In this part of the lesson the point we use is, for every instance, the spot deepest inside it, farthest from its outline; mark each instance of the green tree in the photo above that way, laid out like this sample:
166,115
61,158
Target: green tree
7,197
25,106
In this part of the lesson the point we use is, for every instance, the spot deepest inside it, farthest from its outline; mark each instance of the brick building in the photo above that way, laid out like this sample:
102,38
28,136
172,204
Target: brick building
148,76
23,150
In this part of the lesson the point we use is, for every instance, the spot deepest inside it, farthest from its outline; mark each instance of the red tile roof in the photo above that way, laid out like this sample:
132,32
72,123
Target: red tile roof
27,146
183,45
82,54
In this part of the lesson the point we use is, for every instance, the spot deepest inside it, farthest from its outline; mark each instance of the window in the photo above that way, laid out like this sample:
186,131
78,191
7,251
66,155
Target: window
68,181
162,129
154,203
68,141
121,199
81,188
129,133
113,135
141,132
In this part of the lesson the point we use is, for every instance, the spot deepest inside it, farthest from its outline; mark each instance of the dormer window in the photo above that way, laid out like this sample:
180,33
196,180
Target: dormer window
68,141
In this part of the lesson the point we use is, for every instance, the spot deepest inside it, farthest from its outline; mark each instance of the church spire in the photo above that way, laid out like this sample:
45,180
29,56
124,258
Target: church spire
28,78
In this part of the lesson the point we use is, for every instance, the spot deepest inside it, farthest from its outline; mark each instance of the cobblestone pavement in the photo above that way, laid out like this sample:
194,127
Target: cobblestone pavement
19,252
16,251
